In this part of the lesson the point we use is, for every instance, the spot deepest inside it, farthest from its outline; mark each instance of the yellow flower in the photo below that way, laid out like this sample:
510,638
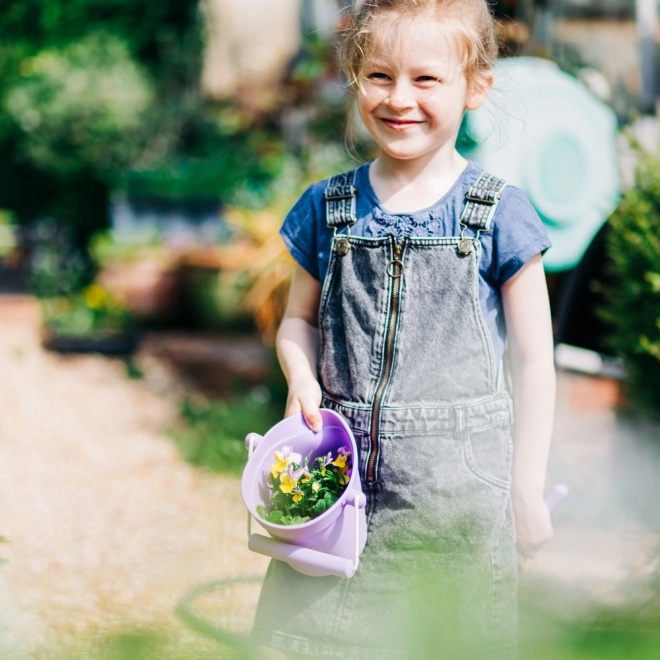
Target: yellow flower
95,296
340,461
343,479
287,482
297,495
284,458
281,465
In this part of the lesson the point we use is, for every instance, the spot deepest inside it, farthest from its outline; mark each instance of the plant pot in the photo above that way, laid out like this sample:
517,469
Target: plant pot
215,294
150,288
329,544
116,344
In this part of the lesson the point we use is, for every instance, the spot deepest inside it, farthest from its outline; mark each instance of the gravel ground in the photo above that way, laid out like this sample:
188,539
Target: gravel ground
107,527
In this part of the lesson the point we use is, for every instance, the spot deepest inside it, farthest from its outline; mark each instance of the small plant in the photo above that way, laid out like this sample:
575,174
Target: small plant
93,311
57,267
633,302
213,435
300,491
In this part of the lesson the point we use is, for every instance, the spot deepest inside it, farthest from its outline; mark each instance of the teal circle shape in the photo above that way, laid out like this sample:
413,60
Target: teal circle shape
563,165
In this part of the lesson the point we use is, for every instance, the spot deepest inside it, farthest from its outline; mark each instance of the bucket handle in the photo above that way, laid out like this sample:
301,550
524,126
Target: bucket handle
295,554
252,441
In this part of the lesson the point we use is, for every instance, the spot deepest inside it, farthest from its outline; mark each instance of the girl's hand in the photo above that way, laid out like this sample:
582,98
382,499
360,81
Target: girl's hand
305,397
533,524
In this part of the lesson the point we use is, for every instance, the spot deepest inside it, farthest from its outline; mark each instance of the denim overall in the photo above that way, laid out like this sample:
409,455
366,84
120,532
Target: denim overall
407,359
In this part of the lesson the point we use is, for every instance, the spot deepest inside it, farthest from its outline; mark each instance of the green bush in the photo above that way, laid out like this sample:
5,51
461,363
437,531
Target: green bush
214,433
81,105
632,305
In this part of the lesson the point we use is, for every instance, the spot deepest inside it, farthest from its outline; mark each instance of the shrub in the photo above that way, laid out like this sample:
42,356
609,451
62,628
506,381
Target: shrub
632,306
81,105
213,435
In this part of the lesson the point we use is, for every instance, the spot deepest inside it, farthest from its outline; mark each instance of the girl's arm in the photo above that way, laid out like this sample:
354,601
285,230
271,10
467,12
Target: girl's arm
529,330
297,348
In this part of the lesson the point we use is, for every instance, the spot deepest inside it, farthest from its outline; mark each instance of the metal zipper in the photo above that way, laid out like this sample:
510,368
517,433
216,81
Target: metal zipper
395,269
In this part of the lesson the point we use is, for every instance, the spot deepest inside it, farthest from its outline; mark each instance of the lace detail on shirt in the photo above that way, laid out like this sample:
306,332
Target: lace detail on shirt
426,223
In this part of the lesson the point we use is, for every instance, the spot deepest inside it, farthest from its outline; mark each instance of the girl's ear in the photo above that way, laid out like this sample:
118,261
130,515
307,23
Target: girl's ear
478,90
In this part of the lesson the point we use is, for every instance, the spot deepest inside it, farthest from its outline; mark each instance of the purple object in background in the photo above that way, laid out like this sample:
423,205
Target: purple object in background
331,543
555,496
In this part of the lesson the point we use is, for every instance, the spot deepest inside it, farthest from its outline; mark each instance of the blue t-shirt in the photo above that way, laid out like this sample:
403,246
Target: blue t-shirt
516,234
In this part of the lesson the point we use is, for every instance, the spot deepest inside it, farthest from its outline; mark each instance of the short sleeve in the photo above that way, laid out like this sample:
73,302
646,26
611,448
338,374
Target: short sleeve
518,234
299,230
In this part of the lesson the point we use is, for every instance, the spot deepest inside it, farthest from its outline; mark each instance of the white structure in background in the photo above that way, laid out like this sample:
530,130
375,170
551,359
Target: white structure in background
250,43
647,23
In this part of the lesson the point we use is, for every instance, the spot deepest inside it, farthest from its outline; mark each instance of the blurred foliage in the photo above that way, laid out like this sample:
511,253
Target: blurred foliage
93,311
8,233
213,435
210,163
253,270
155,31
98,98
106,249
57,267
257,265
632,307
80,106
62,278
100,95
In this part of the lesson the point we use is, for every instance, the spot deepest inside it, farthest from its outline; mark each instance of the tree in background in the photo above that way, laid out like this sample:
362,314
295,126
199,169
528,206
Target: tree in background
99,95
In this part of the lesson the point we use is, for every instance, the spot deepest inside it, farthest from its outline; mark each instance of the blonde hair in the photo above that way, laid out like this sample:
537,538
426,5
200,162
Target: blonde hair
469,23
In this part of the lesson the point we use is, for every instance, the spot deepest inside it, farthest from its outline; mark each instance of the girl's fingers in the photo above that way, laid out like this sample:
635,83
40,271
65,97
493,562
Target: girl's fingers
310,411
313,419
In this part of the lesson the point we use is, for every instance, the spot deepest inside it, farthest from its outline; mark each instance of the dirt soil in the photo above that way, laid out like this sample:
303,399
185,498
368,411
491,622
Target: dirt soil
106,526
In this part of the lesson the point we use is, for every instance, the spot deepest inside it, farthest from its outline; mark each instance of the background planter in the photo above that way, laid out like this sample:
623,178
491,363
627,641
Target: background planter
215,288
150,288
117,344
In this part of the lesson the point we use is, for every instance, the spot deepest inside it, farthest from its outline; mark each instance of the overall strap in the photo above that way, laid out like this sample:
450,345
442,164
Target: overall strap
340,200
481,201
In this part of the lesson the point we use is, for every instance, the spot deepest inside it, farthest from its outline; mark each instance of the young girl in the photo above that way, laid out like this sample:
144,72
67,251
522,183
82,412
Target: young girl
412,271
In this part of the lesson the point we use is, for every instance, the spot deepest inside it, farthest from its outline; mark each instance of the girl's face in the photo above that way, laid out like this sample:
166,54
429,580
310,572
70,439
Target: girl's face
413,92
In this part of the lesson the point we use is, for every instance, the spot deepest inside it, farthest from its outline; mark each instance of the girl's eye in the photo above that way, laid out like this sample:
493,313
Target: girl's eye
378,76
428,79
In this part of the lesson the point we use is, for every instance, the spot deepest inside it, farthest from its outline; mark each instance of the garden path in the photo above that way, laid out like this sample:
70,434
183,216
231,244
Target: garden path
107,527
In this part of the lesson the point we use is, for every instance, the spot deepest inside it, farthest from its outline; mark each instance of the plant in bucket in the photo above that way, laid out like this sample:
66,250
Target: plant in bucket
304,489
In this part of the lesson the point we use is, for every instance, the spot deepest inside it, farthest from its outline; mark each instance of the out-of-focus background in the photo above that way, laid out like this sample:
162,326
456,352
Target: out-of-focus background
149,152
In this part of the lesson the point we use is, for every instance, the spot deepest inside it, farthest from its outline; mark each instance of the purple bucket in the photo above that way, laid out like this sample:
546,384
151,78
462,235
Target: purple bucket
329,544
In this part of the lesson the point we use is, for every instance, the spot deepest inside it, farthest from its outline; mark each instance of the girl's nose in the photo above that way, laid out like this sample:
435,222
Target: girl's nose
401,96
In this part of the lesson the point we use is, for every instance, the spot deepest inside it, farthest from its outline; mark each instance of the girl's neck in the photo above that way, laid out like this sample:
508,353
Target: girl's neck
406,186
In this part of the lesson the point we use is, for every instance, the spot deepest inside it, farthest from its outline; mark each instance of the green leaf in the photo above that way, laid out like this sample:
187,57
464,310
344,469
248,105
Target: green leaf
275,517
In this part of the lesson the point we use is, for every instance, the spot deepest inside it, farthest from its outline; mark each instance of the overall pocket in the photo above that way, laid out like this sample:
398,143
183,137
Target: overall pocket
488,454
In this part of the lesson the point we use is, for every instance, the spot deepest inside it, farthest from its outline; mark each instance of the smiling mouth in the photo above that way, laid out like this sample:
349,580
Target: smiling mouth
399,124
